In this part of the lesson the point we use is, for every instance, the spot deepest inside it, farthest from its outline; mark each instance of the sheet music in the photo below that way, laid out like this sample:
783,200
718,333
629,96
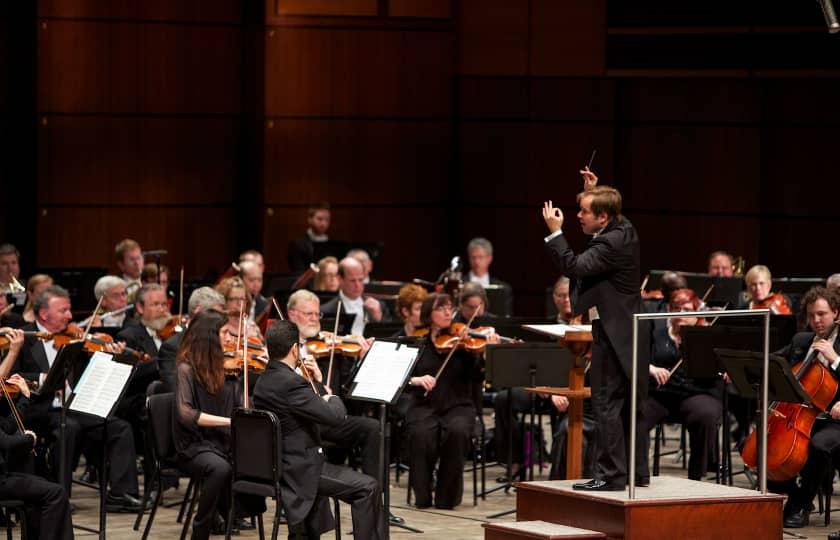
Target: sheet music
100,386
557,330
383,371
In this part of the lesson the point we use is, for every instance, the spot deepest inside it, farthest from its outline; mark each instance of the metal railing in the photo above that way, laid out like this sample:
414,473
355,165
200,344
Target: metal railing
762,449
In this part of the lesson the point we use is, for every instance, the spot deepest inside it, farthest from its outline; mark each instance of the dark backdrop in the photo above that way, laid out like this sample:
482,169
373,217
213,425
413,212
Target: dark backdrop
207,126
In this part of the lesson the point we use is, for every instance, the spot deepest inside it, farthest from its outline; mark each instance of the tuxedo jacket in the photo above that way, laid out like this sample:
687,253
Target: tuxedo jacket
329,308
300,411
135,336
301,254
166,361
606,275
260,304
798,349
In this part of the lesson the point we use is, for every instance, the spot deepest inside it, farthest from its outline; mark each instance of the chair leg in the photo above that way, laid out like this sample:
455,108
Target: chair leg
24,532
187,496
337,520
189,516
260,527
153,512
229,517
8,525
683,447
656,447
155,474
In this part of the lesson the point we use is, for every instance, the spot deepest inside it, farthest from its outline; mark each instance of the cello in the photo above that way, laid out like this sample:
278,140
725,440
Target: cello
789,424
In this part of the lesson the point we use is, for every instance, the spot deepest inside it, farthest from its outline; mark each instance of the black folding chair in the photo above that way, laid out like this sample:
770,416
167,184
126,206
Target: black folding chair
18,507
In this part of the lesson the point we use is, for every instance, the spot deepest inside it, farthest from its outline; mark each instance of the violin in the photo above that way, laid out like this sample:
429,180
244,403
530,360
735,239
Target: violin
347,345
93,342
776,303
474,342
174,325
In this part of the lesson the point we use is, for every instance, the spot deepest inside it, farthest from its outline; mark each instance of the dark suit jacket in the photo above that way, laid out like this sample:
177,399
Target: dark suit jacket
607,275
166,360
260,305
329,308
291,398
135,336
301,254
32,360
798,348
505,310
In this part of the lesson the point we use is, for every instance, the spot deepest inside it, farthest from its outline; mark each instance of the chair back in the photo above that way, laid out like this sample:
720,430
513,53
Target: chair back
256,446
160,408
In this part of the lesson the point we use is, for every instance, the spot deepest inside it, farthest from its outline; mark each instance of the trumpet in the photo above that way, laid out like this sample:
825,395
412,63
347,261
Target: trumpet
15,286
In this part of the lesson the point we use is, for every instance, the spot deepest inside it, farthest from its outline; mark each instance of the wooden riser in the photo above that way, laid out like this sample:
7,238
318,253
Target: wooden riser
671,508
536,530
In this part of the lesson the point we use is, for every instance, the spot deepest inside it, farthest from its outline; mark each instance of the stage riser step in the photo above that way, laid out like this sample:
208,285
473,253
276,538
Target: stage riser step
536,530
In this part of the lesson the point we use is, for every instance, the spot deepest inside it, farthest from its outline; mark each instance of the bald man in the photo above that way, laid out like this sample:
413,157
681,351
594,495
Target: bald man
351,290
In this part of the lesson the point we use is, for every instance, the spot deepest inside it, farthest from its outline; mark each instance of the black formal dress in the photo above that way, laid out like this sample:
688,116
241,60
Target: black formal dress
695,403
47,505
605,276
824,448
441,424
308,480
204,452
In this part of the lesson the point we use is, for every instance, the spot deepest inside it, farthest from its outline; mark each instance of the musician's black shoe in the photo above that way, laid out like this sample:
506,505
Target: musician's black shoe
643,482
122,503
798,519
219,527
597,485
395,520
89,476
243,524
834,536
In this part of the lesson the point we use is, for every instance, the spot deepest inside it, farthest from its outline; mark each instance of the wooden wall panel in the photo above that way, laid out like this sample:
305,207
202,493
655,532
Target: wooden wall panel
435,9
347,162
80,236
573,100
346,8
707,101
797,247
328,72
130,160
208,11
493,37
706,169
801,101
493,98
568,37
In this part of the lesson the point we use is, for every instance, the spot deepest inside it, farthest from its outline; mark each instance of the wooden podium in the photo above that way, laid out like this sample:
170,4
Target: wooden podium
579,342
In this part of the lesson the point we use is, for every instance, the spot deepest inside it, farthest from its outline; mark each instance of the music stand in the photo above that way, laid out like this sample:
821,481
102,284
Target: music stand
381,378
745,370
525,365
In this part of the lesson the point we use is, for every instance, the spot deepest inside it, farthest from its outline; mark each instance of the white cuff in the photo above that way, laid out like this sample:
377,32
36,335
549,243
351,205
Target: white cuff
553,235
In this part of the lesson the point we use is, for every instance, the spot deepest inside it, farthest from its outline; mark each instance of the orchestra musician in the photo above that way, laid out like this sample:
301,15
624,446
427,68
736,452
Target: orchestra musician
821,307
111,291
326,280
409,303
721,264
670,282
607,281
442,413
129,258
363,257
254,256
302,250
472,301
759,281
53,314
562,300
7,316
153,314
308,480
237,300
252,277
696,403
833,282
204,403
9,269
351,276
35,285
150,275
480,255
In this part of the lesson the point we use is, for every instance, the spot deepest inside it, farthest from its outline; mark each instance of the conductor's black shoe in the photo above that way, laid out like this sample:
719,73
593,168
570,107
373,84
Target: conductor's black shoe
643,482
798,519
122,503
597,485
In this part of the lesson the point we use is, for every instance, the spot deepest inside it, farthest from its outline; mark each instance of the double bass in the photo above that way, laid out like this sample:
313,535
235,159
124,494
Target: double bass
789,424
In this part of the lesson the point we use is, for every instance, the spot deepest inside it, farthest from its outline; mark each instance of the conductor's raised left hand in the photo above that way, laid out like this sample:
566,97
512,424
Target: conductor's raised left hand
553,217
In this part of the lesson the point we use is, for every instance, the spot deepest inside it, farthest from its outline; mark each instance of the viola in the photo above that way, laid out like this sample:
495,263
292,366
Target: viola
346,345
233,361
175,325
777,303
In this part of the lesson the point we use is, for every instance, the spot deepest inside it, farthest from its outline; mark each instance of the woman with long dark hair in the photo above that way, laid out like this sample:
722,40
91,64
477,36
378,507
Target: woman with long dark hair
204,402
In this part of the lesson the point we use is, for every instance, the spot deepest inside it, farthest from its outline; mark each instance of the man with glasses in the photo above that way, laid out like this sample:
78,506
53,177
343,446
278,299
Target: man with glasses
111,290
153,312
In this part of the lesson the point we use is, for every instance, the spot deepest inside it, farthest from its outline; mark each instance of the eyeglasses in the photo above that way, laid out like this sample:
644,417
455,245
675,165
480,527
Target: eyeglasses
444,308
311,314
157,304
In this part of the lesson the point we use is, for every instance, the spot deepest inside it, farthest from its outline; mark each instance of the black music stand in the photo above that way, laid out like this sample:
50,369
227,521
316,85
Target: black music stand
745,370
367,384
525,365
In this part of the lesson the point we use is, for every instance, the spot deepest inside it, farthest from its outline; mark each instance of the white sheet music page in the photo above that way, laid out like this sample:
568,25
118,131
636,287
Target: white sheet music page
383,371
557,330
100,385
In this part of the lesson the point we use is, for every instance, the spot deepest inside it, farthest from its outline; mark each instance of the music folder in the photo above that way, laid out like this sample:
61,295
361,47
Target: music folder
101,386
384,372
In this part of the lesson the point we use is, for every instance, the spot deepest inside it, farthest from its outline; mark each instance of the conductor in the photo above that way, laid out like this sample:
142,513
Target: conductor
605,281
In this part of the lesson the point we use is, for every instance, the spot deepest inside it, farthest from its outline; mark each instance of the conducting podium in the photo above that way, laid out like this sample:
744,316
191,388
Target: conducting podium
578,340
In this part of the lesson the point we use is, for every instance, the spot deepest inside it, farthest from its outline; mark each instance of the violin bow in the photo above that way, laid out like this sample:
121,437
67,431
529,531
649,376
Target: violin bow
244,321
708,292
332,347
90,321
644,283
181,297
455,346
276,307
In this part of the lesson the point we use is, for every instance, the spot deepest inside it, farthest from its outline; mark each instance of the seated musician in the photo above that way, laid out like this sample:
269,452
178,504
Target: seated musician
697,404
201,299
307,480
363,257
721,264
150,275
302,250
480,254
409,302
111,289
238,302
34,287
833,282
204,403
759,281
562,300
253,255
9,269
153,314
351,282
442,415
657,301
129,259
326,280
52,311
471,302
252,277
822,308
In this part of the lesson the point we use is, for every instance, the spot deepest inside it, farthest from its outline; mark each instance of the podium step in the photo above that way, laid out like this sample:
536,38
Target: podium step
535,530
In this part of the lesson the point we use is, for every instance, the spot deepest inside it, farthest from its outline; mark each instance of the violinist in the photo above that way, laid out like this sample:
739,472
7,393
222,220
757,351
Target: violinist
112,291
670,282
9,269
34,287
442,415
759,281
696,403
152,315
129,258
472,302
721,264
253,255
150,274
53,314
326,280
302,250
252,277
204,403
409,302
237,301
822,307
351,282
